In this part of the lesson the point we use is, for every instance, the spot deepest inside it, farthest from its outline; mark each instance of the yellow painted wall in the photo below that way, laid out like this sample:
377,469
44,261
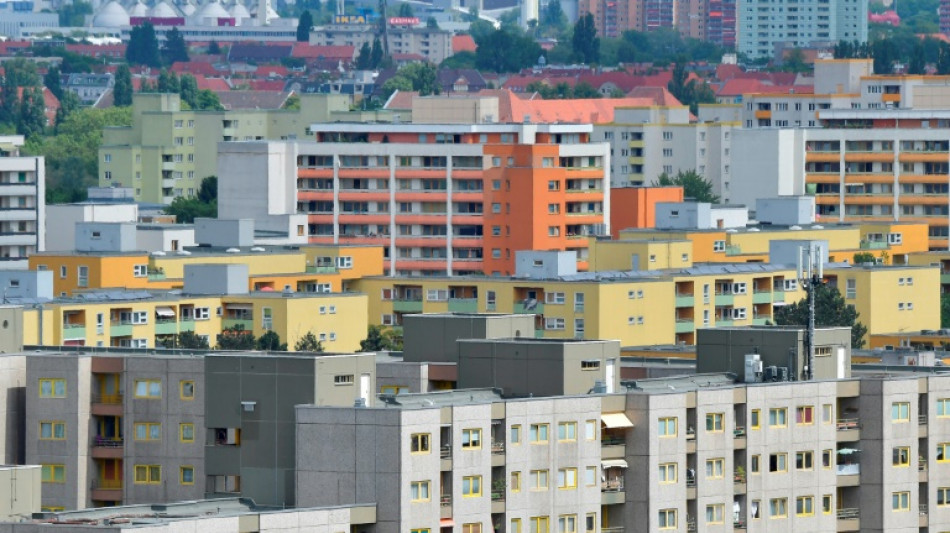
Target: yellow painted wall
258,263
618,255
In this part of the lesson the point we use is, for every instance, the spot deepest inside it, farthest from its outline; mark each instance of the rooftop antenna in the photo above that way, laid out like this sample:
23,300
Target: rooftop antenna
810,270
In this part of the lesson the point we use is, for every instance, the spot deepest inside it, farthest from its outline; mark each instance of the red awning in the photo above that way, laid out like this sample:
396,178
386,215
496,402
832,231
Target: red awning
446,522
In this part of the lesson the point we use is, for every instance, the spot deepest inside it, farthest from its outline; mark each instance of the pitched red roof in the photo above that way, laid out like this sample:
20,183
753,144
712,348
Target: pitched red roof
97,50
271,71
215,84
660,96
309,51
195,67
463,43
266,85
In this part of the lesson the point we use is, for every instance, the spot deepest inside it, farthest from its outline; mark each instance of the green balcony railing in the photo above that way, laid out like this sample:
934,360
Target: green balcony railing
407,306
463,305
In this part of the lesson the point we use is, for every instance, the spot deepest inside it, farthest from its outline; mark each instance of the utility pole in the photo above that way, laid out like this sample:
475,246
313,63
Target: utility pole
810,270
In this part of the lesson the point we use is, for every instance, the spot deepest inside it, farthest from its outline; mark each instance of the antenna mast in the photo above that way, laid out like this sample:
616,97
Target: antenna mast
810,270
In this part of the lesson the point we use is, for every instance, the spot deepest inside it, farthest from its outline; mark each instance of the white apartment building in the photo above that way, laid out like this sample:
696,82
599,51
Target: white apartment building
22,204
762,25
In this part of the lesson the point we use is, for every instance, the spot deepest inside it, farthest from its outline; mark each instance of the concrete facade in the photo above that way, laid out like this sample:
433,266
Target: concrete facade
757,34
22,204
434,337
68,215
19,491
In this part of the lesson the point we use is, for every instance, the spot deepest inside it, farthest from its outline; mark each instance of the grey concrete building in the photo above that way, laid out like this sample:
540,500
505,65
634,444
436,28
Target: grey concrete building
433,337
19,491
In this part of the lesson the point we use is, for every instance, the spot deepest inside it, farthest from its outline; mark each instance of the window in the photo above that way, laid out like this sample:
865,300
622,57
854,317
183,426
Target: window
186,475
719,246
943,496
900,501
475,527
590,429
567,523
943,452
419,442
667,427
667,519
148,388
778,417
900,412
419,491
754,464
668,473
943,407
804,460
567,431
901,456
186,432
778,507
148,474
805,414
471,439
139,271
827,413
778,462
567,478
202,313
147,431
590,476
826,504
714,422
515,434
851,289
554,298
515,526
186,389
715,513
539,480
471,486
344,261
591,523
343,379
539,524
715,468
826,458
52,430
804,506
515,484
54,474
52,388
754,416
895,238
538,433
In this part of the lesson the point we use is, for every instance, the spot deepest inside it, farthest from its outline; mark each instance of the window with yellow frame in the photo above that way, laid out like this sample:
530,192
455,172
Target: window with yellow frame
471,486
148,474
52,430
186,389
52,388
943,496
566,431
666,519
668,473
567,523
540,524
900,456
49,509
943,452
805,506
900,412
515,484
755,419
426,530
515,526
714,422
472,527
826,504
186,432
147,431
538,433
943,408
900,501
539,480
54,474
471,439
805,415
778,417
778,508
148,388
715,513
567,478
186,475
419,491
419,442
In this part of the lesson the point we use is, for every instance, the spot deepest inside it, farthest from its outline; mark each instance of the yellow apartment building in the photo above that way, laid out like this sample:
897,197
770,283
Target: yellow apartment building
140,319
939,259
641,254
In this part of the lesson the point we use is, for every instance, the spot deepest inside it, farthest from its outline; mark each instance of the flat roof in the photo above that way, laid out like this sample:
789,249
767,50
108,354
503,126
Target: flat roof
169,353
387,127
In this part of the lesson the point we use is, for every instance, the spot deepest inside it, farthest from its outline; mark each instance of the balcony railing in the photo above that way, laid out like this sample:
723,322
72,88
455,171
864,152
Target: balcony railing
107,484
446,452
107,398
498,447
612,485
612,441
922,509
107,442
446,500
849,514
845,424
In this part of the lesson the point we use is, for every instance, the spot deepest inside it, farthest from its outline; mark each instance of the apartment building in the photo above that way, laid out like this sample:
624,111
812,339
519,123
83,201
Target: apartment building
22,204
164,153
131,428
431,43
647,142
442,199
707,20
763,25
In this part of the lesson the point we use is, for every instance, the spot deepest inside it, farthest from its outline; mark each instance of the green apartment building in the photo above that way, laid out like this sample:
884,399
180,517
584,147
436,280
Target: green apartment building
168,150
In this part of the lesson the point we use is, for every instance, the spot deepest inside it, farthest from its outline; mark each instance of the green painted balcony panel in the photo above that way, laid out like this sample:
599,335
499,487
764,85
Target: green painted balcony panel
685,300
725,299
538,308
463,305
944,278
407,306
685,326
762,297
166,327
321,269
762,321
120,330
778,296
873,245
724,323
539,333
186,325
74,331
248,324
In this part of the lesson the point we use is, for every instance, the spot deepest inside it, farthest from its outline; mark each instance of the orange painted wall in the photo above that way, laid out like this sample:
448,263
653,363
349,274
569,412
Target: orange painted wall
635,207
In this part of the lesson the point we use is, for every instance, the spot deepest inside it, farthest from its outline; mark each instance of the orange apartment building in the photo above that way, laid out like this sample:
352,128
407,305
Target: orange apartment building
453,199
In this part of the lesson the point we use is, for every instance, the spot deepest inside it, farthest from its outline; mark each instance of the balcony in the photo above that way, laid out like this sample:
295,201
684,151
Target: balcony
323,269
120,329
849,519
685,325
725,299
849,429
873,245
109,490
530,306
778,296
446,506
762,297
166,326
74,331
107,448
186,324
612,492
849,475
685,300
463,305
407,306
247,324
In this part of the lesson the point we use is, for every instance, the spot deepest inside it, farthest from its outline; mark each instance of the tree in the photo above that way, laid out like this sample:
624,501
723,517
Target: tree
945,310
189,340
214,48
432,23
175,48
309,343
396,83
863,257
304,25
53,82
74,14
67,104
917,63
188,90
691,93
463,59
585,90
694,186
795,61
379,339
364,60
168,82
830,311
236,338
270,342
208,100
32,117
203,205
376,53
553,17
208,190
585,42
405,11
142,48
506,49
122,90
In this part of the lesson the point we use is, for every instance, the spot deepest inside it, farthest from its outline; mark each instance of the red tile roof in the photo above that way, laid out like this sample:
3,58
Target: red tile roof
195,67
266,85
463,43
97,50
309,51
661,96
271,71
215,84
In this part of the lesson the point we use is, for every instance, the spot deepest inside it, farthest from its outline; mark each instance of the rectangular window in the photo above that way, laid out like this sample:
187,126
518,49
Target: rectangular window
714,422
567,523
147,431
827,458
139,271
186,432
826,504
590,429
186,389
804,460
805,414
668,473
471,486
900,501
54,474
515,434
591,523
148,388
419,442
344,379
590,476
943,407
148,474
539,480
715,468
538,433
515,484
419,491
754,464
754,417
943,452
186,475
52,388
900,456
778,462
667,519
827,413
715,513
778,417
943,496
778,508
804,506
666,427
52,430
567,478
900,412
515,526
539,524
567,431
471,439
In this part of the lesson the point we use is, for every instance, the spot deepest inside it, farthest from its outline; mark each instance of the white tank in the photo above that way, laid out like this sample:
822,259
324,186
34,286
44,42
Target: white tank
138,9
112,15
